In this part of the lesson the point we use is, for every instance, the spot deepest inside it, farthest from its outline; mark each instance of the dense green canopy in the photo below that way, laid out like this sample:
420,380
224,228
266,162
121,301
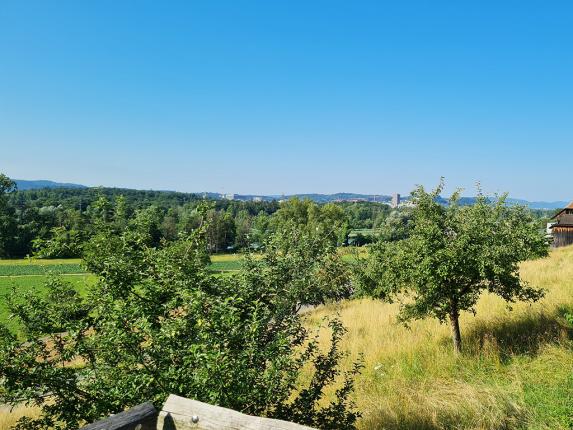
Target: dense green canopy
454,253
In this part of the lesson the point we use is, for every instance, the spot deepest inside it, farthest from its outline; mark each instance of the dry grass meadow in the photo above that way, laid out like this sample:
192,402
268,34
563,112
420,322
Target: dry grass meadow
9,417
516,371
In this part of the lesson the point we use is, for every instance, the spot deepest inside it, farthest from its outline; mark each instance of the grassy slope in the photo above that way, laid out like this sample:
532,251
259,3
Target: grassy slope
516,371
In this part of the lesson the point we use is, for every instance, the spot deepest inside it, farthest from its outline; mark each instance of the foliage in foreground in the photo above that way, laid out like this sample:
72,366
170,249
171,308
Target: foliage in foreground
452,255
159,322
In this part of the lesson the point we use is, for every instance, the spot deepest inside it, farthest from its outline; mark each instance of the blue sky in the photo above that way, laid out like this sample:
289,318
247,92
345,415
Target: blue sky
289,96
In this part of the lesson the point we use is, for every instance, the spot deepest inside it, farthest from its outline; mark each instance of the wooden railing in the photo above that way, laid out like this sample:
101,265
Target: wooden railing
179,413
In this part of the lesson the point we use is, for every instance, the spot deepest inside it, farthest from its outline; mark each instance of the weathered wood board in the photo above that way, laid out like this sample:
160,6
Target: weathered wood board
141,417
180,413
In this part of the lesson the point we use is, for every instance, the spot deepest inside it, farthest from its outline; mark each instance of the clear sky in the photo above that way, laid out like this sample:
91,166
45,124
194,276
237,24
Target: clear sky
289,96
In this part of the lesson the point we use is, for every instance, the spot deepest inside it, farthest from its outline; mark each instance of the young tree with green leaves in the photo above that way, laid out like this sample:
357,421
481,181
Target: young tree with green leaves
452,255
158,322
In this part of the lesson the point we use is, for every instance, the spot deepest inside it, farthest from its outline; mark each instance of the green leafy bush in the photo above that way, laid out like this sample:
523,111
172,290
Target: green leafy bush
62,243
160,322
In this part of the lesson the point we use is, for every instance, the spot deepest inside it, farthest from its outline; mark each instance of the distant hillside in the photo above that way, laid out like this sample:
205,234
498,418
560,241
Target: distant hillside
36,185
531,205
319,198
324,198
539,205
24,185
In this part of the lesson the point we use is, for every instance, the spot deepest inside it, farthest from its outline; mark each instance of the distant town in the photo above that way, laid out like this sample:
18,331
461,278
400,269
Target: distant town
394,200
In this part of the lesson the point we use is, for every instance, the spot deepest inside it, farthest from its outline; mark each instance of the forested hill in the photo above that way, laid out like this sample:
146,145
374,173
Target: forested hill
82,197
41,184
522,202
181,197
58,222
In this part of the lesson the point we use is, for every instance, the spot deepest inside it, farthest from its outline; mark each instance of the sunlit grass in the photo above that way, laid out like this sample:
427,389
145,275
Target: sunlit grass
226,257
515,371
9,417
39,261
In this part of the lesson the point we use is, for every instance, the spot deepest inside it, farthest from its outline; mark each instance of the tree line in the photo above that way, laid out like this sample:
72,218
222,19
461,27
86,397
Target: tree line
56,223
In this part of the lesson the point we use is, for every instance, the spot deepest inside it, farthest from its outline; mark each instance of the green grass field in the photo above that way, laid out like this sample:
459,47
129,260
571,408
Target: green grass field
32,266
24,267
226,262
37,267
365,231
39,262
25,275
31,274
22,284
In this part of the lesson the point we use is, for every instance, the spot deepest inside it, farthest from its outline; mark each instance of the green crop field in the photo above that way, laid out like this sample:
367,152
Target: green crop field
32,266
365,232
226,262
39,262
73,266
41,270
20,276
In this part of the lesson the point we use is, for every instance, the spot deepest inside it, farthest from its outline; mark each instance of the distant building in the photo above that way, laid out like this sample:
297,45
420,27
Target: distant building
229,197
395,200
561,227
257,199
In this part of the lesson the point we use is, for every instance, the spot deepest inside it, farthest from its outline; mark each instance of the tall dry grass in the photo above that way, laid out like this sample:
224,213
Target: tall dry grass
412,379
9,417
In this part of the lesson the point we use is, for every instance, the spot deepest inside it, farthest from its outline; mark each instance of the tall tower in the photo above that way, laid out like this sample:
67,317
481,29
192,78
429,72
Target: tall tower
395,200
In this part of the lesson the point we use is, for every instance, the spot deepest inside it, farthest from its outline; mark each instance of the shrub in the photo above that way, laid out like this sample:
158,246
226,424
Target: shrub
159,322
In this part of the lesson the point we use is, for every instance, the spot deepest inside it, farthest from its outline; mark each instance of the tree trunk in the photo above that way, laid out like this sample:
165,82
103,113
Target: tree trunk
456,335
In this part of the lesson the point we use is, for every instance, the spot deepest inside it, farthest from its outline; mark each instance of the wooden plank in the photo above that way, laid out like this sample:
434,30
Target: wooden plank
141,417
180,413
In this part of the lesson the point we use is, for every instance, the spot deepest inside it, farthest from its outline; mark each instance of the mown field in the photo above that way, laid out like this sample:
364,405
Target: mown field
219,263
226,262
516,371
10,285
